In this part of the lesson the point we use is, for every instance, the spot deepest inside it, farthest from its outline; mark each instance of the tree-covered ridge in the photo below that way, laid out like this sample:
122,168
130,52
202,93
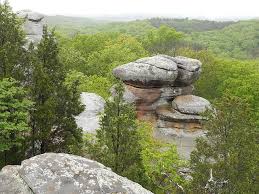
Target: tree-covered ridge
240,40
190,25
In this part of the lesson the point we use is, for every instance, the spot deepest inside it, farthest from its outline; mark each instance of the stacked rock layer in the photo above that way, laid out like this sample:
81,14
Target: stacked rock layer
161,88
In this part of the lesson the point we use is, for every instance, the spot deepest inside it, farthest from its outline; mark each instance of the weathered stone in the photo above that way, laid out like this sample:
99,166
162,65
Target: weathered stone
154,71
11,182
188,70
53,173
30,15
171,92
173,115
33,26
190,104
88,120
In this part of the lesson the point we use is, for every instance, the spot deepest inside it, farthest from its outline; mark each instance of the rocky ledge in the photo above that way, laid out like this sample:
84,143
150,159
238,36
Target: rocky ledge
53,173
161,88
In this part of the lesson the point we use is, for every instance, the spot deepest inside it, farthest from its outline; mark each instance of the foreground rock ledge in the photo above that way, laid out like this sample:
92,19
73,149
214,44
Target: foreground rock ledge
53,173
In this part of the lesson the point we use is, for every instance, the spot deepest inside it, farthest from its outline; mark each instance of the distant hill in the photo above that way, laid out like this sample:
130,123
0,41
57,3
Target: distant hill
190,25
239,40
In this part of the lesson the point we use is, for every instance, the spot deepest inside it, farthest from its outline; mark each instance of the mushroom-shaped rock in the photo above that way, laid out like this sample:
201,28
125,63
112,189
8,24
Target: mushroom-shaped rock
88,120
190,104
53,173
188,70
30,15
148,72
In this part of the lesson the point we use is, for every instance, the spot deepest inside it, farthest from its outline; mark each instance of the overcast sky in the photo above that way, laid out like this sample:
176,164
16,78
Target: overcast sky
184,8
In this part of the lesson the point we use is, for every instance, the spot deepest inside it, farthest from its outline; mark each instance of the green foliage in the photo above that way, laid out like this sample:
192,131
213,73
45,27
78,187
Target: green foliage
53,124
117,141
162,40
229,149
161,163
189,25
14,112
240,40
93,84
11,43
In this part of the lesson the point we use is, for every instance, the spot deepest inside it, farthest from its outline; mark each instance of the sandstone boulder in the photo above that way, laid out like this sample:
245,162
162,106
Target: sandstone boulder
188,70
53,173
154,71
88,120
190,104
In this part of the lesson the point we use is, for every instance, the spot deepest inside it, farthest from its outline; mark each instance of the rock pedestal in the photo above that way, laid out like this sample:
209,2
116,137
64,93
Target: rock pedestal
161,88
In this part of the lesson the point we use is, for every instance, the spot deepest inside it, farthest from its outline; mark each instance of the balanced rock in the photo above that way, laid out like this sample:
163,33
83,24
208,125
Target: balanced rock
53,173
161,88
33,25
88,120
190,104
154,71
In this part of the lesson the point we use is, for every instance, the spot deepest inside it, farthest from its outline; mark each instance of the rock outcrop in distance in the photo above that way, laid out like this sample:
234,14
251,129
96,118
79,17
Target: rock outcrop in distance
162,89
88,120
58,173
33,25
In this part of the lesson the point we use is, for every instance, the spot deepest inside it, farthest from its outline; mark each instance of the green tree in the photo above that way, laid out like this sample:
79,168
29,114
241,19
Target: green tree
56,104
117,142
14,118
162,40
12,52
230,150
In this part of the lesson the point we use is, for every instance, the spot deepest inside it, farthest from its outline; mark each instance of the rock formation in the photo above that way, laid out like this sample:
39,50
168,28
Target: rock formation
161,87
88,120
33,25
52,173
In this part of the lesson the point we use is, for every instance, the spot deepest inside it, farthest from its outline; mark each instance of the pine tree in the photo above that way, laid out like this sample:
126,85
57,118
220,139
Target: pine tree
228,156
12,39
117,141
14,114
53,124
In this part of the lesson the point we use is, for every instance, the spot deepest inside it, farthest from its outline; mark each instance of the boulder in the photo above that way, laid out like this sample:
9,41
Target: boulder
190,104
188,70
88,120
54,173
33,25
154,71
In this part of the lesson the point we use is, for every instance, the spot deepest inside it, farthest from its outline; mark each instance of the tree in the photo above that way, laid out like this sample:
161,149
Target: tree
53,123
117,142
12,40
14,117
229,152
162,40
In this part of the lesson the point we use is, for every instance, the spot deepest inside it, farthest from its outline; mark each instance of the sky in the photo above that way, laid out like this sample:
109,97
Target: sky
210,9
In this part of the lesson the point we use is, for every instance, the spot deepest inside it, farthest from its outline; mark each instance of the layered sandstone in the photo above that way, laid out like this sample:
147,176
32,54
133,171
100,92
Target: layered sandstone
161,88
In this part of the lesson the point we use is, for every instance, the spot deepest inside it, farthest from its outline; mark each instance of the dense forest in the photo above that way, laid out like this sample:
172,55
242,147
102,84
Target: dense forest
40,90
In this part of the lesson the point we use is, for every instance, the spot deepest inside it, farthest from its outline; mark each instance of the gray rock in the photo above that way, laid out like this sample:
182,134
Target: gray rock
190,104
188,69
11,181
33,26
174,115
53,173
171,92
88,120
30,15
148,72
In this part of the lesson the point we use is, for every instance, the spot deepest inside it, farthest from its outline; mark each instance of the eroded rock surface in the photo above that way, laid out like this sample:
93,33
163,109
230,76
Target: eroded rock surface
161,88
53,173
33,25
88,120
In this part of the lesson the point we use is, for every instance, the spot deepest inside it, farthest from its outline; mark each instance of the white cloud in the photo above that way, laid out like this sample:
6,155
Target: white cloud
185,8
